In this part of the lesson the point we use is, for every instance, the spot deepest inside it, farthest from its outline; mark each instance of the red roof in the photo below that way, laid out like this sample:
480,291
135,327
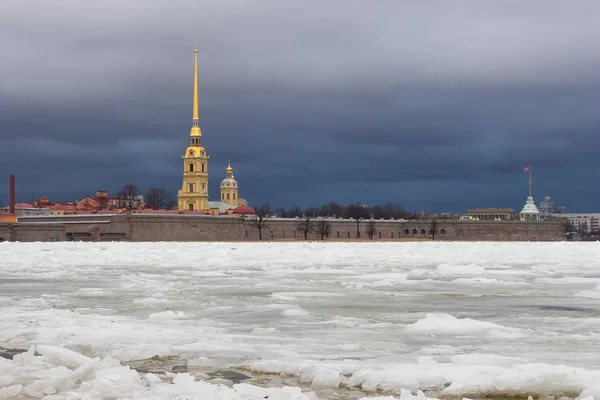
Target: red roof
24,205
243,210
64,207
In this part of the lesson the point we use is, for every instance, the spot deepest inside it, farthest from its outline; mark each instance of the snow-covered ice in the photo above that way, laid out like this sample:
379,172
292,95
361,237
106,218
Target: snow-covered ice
403,320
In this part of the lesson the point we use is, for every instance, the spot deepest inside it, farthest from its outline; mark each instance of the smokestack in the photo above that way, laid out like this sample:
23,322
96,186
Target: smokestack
12,194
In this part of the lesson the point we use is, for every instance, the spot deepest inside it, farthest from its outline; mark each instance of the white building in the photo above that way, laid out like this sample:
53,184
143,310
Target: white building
586,222
530,211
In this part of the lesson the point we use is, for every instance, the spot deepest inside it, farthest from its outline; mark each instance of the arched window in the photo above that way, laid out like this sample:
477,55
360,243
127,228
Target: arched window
191,207
406,232
191,167
203,186
422,231
202,166
414,232
442,231
227,196
222,196
191,187
234,196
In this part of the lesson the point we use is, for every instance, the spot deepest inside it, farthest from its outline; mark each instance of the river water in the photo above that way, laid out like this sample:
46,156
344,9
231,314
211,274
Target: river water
345,320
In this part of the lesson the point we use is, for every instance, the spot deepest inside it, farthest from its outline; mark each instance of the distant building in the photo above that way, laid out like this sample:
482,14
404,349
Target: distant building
27,210
582,222
63,209
7,217
549,206
530,211
490,214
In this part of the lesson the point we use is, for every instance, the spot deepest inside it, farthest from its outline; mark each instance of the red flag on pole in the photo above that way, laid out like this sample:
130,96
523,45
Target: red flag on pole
527,169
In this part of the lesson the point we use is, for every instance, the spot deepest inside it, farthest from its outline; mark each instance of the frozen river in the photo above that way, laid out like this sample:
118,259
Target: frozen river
343,320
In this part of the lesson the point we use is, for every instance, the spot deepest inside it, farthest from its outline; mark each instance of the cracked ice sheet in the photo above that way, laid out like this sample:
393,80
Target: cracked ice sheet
453,319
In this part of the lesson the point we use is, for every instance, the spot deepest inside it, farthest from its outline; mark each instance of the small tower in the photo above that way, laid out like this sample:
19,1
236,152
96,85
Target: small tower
530,212
229,188
194,191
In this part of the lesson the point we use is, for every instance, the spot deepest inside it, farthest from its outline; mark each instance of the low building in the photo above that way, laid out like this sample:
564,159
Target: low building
27,210
549,206
582,222
6,217
63,209
491,214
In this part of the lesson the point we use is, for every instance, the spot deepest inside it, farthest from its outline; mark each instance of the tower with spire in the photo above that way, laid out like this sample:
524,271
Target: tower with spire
229,188
194,191
529,212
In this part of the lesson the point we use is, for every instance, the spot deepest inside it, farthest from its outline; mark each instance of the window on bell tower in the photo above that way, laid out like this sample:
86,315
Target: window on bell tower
191,167
227,196
191,207
202,166
234,196
191,187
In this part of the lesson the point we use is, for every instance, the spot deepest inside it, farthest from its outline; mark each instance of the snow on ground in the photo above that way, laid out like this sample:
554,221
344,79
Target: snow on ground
449,319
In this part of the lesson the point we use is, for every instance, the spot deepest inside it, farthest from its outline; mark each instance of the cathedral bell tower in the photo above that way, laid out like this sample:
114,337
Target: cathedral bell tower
229,188
194,192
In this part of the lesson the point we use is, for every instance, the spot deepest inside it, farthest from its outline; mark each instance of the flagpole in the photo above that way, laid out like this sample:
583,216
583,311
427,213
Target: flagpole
530,180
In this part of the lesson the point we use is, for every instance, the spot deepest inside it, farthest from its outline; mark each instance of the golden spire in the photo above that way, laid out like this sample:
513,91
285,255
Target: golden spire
195,131
229,169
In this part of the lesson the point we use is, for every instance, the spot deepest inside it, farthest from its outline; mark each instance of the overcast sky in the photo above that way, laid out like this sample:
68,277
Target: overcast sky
437,105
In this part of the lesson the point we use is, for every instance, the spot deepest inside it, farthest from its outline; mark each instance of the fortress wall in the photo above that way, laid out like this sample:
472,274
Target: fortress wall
233,228
32,232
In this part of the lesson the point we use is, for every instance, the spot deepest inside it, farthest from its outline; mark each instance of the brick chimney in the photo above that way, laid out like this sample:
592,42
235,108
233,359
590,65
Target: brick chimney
12,195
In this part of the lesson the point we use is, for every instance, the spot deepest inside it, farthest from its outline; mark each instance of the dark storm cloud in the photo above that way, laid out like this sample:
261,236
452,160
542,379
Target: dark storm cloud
435,104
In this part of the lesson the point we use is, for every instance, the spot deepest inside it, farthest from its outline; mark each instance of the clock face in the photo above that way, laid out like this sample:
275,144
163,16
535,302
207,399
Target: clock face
191,152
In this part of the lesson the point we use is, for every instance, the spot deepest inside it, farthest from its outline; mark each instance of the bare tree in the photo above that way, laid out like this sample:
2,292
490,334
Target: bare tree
260,218
433,228
306,225
333,209
371,229
159,199
292,212
569,227
128,196
323,227
582,229
357,212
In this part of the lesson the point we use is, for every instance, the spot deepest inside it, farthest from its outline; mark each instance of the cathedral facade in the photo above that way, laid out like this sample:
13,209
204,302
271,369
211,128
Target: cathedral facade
193,195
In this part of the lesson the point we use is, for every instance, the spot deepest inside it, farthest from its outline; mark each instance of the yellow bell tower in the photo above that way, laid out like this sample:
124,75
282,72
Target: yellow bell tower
229,188
194,192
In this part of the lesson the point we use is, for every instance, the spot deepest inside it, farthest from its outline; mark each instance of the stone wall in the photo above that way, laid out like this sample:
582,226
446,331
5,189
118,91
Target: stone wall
32,232
232,228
